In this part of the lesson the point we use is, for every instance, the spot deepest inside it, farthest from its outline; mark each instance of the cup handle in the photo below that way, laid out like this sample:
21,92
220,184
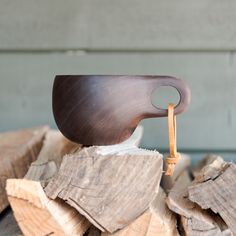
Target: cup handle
180,86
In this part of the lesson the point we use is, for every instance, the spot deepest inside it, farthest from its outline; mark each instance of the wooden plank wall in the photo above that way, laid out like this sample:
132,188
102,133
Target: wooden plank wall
193,40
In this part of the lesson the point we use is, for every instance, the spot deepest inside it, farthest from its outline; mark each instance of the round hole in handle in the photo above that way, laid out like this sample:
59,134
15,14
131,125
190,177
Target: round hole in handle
163,95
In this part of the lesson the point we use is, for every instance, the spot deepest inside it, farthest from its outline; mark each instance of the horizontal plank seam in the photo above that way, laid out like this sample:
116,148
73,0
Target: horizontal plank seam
114,50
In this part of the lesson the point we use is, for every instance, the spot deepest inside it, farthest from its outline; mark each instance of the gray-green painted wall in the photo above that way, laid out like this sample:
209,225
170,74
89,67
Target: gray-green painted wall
193,40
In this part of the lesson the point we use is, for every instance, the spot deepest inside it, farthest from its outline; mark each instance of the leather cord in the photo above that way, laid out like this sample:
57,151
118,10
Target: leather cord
174,156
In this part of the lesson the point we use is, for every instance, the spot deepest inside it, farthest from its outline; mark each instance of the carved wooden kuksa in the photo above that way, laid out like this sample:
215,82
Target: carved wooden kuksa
103,110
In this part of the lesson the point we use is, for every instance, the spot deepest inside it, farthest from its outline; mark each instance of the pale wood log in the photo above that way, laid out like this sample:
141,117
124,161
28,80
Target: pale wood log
167,182
191,227
207,160
110,185
194,220
214,188
49,159
134,140
17,150
37,215
138,227
34,212
157,220
163,221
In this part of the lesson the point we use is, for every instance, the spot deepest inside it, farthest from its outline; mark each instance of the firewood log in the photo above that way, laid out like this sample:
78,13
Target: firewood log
37,215
194,220
109,185
50,157
214,188
17,150
207,160
34,212
157,220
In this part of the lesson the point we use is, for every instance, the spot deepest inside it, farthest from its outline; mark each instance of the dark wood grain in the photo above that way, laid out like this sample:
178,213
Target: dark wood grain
103,110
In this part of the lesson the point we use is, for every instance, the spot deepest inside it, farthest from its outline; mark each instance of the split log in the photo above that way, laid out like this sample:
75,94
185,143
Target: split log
157,220
138,227
34,212
194,220
37,215
109,185
206,161
17,150
49,160
215,188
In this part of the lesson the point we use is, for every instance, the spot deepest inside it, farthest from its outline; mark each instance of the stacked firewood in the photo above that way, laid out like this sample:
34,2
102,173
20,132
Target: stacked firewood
56,187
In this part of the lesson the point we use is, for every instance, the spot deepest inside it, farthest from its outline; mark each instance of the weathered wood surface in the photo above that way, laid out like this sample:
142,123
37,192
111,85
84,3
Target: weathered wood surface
34,212
49,159
191,228
157,220
32,208
117,185
215,188
38,215
138,227
17,150
204,162
120,25
163,221
194,220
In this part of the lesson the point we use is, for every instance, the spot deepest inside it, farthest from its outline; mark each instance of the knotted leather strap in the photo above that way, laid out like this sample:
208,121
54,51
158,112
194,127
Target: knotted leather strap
174,156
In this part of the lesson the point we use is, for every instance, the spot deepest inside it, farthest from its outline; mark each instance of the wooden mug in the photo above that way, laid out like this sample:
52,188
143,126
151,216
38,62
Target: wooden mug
106,109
